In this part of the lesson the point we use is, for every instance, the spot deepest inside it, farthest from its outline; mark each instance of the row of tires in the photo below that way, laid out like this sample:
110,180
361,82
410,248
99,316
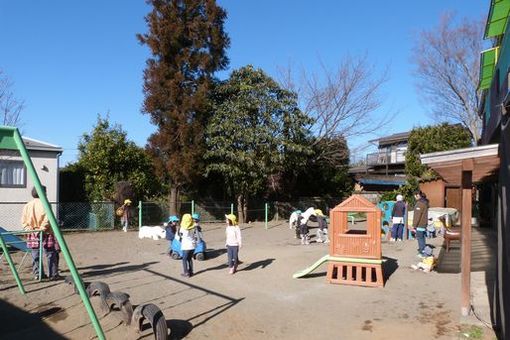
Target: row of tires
118,303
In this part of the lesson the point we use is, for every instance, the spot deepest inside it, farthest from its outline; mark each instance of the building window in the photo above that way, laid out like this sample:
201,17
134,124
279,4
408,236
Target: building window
13,174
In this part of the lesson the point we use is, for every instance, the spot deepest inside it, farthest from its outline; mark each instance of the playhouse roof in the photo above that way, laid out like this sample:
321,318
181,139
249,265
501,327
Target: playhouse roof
356,203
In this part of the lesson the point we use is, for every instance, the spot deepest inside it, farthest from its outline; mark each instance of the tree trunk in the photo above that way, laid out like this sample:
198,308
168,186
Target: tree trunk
172,204
241,208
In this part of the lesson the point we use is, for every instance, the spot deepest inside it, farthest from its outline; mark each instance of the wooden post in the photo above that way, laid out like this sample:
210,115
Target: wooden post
465,265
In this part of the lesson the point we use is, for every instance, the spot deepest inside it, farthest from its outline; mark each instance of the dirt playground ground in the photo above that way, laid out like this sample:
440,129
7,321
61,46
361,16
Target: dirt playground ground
261,301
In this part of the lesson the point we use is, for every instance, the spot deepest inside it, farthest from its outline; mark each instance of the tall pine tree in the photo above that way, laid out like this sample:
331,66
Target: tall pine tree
188,44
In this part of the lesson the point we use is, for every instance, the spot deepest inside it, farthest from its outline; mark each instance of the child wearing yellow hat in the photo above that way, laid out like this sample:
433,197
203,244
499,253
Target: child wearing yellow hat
233,242
126,214
322,231
188,243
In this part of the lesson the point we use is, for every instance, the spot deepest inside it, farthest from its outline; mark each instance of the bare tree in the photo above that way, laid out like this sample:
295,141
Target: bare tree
447,60
342,102
10,107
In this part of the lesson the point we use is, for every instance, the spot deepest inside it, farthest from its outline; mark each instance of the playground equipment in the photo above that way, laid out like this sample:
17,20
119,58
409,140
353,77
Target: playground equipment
198,253
10,139
386,222
120,305
10,238
357,245
355,256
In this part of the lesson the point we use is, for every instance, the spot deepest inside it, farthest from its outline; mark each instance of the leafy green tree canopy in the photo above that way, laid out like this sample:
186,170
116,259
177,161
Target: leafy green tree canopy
435,138
107,157
323,177
257,130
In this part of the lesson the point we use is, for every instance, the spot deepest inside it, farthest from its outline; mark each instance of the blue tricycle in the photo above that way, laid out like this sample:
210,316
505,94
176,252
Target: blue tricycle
200,248
198,254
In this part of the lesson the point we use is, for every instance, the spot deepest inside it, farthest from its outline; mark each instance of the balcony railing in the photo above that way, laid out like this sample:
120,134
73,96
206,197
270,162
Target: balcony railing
395,157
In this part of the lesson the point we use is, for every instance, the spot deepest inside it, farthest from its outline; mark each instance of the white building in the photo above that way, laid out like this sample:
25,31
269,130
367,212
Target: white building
16,184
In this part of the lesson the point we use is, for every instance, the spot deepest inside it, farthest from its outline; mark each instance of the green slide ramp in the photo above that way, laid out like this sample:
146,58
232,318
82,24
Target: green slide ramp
310,269
327,258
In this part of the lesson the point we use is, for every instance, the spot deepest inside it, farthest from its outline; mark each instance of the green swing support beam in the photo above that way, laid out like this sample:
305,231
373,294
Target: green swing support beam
10,139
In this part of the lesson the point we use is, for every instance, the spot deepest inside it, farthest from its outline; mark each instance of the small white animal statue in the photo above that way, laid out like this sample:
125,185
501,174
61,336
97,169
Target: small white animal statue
155,233
293,219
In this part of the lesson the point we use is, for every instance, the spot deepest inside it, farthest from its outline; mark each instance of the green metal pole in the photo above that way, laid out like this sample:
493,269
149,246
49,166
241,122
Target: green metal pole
11,265
139,214
56,231
192,206
232,208
40,255
266,215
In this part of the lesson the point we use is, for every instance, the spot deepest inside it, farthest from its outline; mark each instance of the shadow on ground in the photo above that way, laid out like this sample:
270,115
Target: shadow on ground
204,316
214,253
179,329
219,267
389,266
259,264
102,266
117,270
19,324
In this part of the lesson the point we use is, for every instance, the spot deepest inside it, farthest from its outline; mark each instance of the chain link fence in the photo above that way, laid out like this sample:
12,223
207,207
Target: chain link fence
101,215
69,215
86,216
155,213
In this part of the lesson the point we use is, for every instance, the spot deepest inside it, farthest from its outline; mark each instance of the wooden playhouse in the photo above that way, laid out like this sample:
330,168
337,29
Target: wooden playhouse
358,244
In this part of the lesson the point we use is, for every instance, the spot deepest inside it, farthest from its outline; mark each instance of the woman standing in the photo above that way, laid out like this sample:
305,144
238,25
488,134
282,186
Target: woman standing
397,217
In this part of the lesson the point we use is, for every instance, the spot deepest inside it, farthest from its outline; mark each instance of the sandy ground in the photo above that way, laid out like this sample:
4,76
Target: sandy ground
261,301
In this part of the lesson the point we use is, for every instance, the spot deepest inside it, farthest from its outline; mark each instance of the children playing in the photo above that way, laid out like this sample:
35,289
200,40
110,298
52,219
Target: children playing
188,243
233,242
171,229
198,228
322,232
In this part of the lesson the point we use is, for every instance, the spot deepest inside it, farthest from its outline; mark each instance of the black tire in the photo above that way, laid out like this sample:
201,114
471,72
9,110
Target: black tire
155,316
200,256
175,256
120,301
137,318
98,288
70,281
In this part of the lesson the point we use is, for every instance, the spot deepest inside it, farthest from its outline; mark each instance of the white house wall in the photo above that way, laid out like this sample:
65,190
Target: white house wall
13,199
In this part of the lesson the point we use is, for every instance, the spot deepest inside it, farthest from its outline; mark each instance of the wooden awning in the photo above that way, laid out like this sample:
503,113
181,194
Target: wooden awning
465,167
483,161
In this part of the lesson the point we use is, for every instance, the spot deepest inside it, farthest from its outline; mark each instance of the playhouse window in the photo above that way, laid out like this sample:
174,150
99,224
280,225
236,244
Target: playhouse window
356,223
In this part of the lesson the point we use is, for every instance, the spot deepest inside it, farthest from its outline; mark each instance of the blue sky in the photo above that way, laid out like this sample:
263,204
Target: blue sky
73,60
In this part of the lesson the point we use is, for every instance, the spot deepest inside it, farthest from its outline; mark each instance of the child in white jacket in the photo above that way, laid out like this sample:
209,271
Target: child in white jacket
233,242
188,243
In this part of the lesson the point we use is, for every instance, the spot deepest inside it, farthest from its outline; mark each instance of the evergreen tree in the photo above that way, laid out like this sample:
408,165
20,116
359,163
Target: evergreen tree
435,138
188,43
106,157
255,135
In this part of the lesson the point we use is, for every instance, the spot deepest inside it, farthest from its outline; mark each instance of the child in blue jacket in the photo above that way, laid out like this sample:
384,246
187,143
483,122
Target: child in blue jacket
171,229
